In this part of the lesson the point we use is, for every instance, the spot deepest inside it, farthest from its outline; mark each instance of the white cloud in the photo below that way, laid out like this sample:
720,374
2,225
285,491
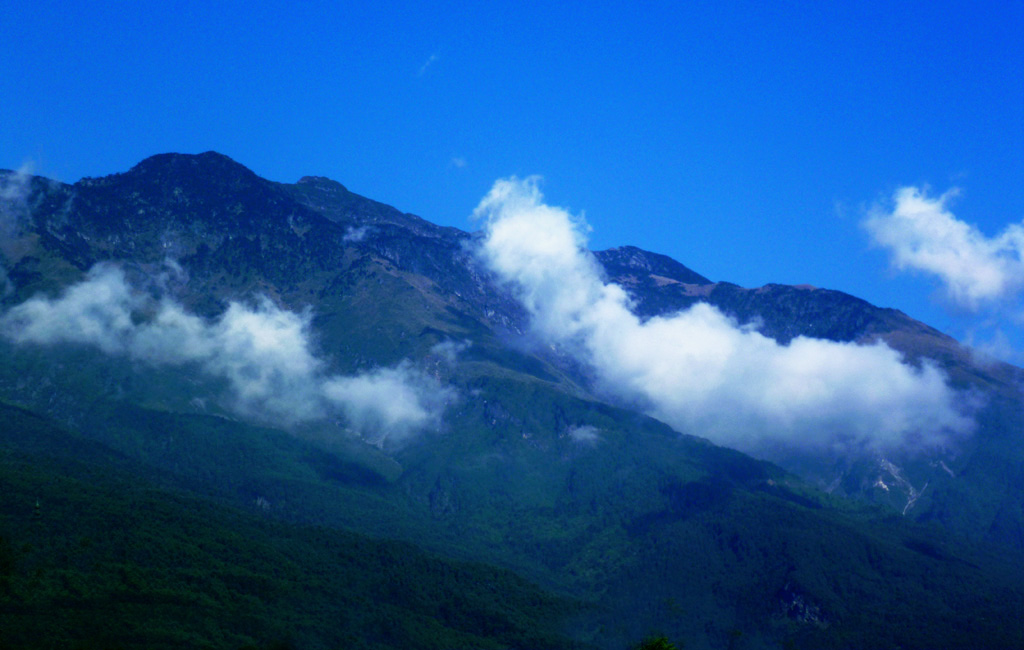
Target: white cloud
921,234
991,344
459,162
426,64
94,312
584,434
698,370
355,235
262,352
393,403
450,350
15,188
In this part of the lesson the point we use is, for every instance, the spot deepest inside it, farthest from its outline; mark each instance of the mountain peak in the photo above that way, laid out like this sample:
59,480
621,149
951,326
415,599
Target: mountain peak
174,158
623,259
322,183
209,163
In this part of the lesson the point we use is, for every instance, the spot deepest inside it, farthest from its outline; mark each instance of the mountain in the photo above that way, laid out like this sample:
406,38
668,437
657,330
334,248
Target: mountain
309,370
982,471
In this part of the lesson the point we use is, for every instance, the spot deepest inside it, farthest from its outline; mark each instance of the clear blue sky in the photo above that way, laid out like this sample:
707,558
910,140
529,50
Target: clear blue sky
745,139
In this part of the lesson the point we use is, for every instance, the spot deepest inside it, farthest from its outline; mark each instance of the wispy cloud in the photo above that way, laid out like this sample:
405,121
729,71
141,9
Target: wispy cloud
426,65
94,312
449,350
989,343
261,351
15,189
584,434
391,404
14,186
458,162
355,234
922,234
697,369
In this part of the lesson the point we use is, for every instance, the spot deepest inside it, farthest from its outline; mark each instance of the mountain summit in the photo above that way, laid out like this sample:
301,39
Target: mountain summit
306,362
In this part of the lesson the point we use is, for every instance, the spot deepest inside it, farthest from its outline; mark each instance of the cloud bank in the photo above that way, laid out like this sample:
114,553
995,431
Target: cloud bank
263,353
921,234
697,369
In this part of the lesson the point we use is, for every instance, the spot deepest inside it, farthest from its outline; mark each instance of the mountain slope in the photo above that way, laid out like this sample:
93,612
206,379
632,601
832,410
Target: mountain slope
982,471
524,464
94,555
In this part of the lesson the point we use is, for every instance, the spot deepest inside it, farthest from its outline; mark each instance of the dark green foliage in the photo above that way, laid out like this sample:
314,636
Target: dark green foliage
112,562
656,643
654,530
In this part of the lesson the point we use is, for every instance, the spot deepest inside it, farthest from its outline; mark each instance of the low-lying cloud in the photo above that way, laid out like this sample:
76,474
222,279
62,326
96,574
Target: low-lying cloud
261,351
697,369
392,403
584,434
449,350
355,235
922,234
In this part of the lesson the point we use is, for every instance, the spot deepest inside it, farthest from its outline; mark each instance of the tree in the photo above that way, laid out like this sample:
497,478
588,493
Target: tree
656,643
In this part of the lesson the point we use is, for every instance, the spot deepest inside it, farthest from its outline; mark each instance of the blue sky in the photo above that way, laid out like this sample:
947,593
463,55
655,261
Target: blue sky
747,140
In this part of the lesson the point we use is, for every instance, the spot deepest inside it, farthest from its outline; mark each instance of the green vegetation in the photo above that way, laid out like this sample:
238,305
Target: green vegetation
649,530
92,556
656,643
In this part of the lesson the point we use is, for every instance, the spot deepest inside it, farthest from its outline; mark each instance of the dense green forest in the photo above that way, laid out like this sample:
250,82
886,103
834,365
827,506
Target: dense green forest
92,556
